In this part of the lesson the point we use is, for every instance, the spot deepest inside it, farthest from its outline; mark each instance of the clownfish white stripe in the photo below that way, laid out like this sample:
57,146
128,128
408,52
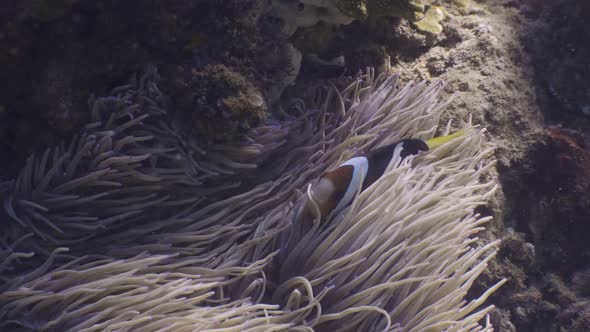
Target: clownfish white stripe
323,191
360,167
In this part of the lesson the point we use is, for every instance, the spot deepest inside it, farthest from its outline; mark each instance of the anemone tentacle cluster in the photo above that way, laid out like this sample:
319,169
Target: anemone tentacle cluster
135,226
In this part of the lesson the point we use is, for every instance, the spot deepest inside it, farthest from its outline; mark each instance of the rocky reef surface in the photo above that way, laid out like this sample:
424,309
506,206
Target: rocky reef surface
518,68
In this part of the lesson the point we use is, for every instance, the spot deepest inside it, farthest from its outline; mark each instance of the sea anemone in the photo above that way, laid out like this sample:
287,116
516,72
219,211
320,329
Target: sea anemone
135,226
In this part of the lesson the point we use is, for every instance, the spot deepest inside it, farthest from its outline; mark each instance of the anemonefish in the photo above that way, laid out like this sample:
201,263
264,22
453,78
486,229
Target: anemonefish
337,188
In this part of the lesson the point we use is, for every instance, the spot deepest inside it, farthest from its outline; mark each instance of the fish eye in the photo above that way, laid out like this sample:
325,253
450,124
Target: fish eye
300,6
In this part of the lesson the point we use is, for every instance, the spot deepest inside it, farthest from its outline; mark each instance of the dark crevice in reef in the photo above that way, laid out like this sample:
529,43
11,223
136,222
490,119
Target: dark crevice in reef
558,42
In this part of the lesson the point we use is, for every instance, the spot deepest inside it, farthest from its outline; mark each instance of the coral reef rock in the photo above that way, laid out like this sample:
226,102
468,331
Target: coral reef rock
218,102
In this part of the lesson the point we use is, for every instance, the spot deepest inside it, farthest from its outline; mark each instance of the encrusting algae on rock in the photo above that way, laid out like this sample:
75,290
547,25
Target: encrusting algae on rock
412,10
430,24
306,13
356,9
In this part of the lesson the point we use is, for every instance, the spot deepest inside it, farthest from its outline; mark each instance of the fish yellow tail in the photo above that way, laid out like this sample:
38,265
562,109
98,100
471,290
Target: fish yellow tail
436,141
